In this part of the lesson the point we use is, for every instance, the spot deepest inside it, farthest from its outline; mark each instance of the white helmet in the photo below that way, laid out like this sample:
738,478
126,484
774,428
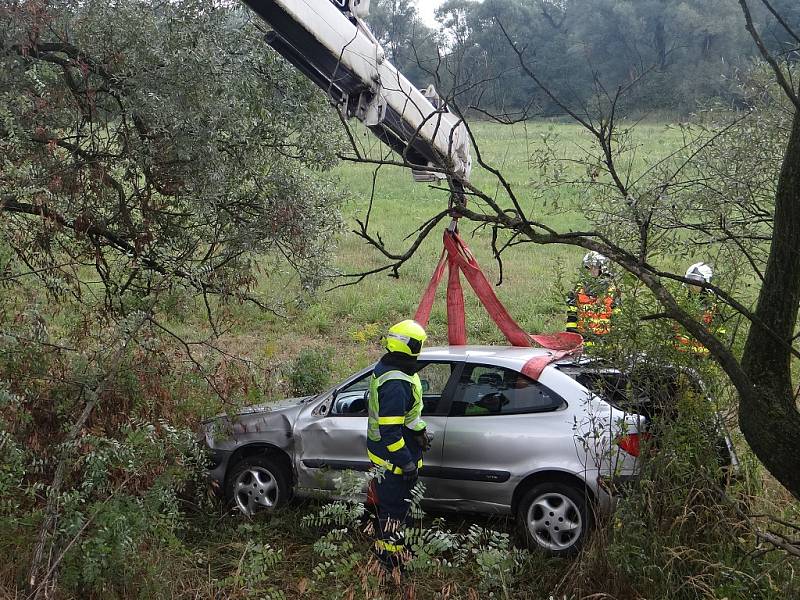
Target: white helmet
595,259
700,272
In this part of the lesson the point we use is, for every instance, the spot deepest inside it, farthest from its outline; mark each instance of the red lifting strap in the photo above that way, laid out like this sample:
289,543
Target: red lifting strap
458,258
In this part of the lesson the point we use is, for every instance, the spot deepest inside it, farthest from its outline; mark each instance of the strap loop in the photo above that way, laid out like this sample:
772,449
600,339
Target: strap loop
458,258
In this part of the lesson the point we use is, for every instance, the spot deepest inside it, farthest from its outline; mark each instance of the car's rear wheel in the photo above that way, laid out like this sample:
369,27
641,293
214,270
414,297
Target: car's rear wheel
556,518
257,484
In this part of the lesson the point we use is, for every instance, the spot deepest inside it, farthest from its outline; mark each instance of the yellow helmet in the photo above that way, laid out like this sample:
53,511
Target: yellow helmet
406,337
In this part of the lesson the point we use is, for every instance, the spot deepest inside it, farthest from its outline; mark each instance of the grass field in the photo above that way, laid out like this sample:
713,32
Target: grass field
534,277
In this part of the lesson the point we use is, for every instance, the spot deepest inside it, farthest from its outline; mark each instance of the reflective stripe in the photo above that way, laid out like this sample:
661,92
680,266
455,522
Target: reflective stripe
391,420
416,424
594,312
389,547
687,344
387,465
396,446
384,463
396,336
395,375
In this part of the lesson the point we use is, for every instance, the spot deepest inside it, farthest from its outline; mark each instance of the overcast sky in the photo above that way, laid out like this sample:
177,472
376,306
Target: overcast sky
426,8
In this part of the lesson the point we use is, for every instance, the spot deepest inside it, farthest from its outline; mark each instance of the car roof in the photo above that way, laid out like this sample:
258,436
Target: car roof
510,356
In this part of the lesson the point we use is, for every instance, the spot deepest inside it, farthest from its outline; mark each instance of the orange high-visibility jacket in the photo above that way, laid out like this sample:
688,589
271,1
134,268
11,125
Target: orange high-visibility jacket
685,342
589,313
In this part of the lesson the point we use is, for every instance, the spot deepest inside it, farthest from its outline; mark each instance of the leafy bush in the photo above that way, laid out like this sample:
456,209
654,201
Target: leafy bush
345,544
679,532
125,505
311,371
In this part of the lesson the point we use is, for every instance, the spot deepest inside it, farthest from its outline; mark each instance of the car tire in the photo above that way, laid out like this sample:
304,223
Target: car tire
555,518
257,484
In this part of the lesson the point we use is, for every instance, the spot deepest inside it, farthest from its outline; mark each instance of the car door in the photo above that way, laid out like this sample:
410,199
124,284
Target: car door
499,423
332,437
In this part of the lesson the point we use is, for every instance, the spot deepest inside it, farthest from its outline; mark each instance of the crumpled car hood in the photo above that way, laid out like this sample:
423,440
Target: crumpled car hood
273,406
270,422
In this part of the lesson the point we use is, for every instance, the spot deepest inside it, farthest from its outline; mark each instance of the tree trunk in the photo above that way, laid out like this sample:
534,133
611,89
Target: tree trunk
660,44
41,576
768,414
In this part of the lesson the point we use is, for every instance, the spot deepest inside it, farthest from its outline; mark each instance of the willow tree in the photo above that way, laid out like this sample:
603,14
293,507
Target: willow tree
150,153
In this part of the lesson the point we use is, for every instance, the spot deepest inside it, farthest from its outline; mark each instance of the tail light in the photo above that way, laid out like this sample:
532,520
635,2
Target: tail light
631,443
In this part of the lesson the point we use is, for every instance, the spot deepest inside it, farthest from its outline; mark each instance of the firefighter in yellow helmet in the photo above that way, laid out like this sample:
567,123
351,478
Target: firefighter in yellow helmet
396,434
593,302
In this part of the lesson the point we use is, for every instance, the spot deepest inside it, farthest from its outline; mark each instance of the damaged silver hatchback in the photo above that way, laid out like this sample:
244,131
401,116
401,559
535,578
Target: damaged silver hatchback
502,443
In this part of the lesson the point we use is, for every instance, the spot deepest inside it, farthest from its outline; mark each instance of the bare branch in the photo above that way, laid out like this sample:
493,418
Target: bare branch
398,259
765,54
781,20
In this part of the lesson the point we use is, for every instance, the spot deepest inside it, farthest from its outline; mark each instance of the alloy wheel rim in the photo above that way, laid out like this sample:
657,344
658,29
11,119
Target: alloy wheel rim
554,521
255,489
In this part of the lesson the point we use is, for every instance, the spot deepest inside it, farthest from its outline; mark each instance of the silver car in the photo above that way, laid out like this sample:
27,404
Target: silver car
502,443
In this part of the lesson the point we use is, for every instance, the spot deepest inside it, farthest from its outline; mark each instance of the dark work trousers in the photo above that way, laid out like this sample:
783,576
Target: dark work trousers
394,515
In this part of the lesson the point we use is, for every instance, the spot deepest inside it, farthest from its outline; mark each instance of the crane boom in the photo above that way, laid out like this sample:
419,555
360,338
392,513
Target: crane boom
329,42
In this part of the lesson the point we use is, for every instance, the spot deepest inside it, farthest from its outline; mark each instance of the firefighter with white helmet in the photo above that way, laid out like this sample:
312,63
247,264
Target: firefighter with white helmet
700,272
593,302
703,304
595,262
396,434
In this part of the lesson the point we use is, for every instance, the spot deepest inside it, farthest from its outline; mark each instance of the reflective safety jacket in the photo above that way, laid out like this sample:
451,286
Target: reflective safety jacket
395,409
589,311
706,308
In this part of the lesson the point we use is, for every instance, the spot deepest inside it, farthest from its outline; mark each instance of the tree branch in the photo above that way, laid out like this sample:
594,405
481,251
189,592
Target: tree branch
765,54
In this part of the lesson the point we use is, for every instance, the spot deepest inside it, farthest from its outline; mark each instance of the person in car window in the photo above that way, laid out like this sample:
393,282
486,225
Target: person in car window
396,435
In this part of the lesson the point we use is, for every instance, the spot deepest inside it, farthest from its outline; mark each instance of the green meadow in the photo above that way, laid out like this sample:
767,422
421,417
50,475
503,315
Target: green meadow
534,281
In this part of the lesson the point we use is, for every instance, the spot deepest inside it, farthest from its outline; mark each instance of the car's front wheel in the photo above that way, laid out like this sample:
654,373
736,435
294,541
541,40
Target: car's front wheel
257,483
556,518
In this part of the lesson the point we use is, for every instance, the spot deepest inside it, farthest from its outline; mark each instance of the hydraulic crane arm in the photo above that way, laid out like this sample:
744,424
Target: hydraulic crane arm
328,42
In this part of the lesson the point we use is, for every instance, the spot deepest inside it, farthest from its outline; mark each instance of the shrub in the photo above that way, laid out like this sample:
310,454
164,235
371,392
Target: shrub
311,371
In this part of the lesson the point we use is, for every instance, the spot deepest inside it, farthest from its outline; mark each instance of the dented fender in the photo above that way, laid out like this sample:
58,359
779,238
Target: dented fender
269,425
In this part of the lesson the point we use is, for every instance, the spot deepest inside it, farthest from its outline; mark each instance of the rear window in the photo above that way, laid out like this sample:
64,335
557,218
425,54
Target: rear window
485,390
649,390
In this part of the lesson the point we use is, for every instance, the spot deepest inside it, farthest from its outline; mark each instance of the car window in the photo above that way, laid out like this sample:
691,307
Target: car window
612,387
353,399
359,385
434,377
489,390
650,390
